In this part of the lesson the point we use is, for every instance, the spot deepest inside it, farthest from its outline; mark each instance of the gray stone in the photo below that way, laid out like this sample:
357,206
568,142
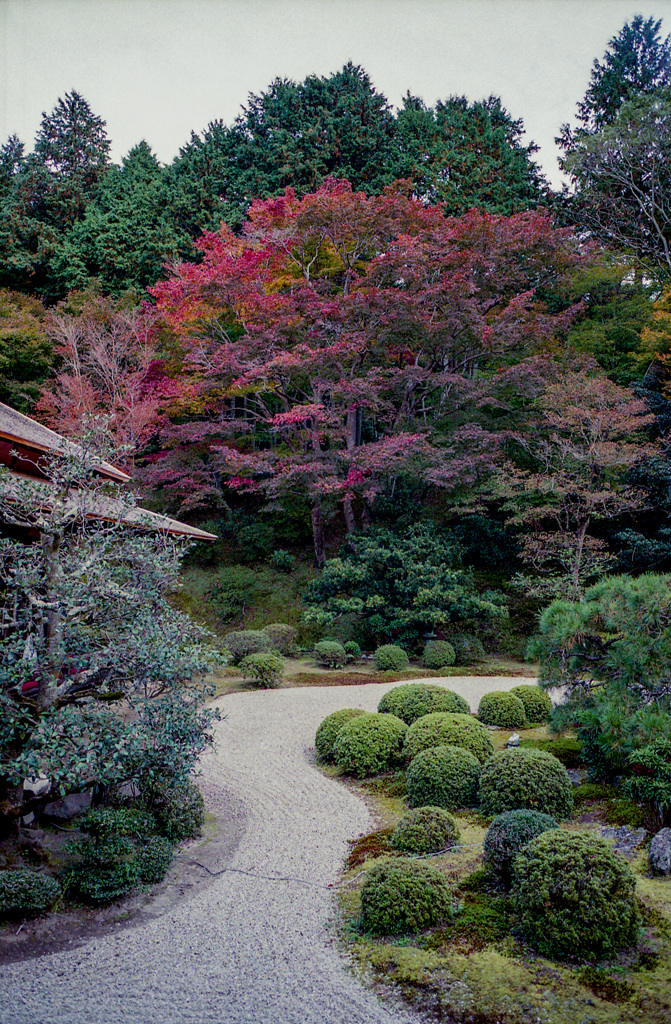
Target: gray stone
38,786
514,740
659,858
69,806
128,791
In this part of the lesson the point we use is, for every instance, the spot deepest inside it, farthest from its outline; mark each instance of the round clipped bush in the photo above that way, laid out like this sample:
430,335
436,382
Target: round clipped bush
525,779
282,637
537,704
390,658
245,642
24,893
425,830
263,670
330,653
352,650
453,729
414,700
107,868
401,895
329,729
369,744
443,777
155,857
438,654
507,835
573,895
502,709
178,808
467,648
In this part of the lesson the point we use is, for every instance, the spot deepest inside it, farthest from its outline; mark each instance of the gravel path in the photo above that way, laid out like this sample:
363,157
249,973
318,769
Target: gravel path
243,949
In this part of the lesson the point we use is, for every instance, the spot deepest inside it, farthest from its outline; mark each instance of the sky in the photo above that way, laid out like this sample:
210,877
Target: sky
158,69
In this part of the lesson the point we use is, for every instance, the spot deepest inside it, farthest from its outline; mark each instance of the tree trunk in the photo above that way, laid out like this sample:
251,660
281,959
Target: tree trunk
350,521
317,517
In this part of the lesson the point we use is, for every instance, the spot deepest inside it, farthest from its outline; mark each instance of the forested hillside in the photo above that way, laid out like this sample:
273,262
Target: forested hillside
332,330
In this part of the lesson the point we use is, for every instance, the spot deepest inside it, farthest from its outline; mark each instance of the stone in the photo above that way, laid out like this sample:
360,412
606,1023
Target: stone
38,786
128,791
659,858
514,740
69,806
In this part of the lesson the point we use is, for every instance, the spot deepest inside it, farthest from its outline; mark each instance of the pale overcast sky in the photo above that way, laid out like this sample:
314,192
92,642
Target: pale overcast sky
156,69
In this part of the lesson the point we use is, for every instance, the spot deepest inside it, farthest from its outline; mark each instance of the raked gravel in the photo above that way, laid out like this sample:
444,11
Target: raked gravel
243,949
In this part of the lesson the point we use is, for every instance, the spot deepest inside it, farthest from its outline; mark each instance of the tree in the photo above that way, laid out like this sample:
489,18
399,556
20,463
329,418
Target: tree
87,629
26,352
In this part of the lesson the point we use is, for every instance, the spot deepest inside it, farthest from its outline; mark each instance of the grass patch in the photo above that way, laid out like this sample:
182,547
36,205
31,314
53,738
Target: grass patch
566,749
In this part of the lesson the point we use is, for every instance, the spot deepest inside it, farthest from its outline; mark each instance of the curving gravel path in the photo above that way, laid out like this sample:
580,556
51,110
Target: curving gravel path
242,949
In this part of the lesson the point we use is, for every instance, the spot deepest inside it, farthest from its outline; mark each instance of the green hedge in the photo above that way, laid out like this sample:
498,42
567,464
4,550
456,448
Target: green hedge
502,709
282,637
574,896
390,658
438,654
507,835
246,641
329,729
425,830
178,808
330,653
534,780
263,670
443,777
411,701
453,729
467,648
537,704
401,896
369,744
25,893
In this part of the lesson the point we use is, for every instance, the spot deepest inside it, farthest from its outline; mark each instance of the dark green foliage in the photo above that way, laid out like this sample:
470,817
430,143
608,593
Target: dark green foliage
517,779
352,650
453,729
537,704
468,649
282,637
245,642
26,353
400,585
155,857
265,670
179,809
107,868
105,823
651,779
390,658
443,777
330,653
425,830
413,700
401,896
438,654
369,744
503,709
604,985
507,835
574,896
282,560
329,729
375,844
236,588
588,792
564,748
25,893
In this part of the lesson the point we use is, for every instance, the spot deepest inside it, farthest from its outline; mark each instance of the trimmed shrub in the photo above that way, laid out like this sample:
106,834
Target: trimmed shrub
178,808
106,869
425,830
155,857
537,704
352,650
330,653
507,835
565,748
533,780
502,709
369,744
401,895
438,654
282,637
443,777
329,729
107,823
414,700
573,895
390,658
245,642
282,560
467,648
25,893
451,729
263,670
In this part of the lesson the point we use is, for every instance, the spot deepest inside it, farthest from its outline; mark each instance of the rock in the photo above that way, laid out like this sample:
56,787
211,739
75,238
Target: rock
38,786
659,858
514,740
128,791
624,839
69,806
28,819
